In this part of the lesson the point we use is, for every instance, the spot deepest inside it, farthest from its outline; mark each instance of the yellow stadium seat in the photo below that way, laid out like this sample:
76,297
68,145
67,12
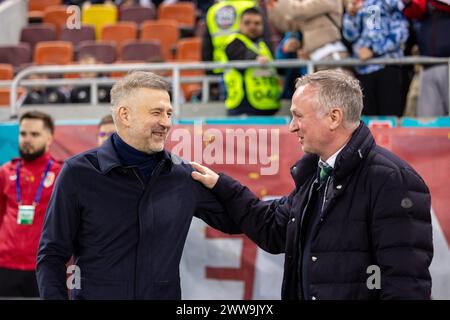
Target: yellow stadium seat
99,15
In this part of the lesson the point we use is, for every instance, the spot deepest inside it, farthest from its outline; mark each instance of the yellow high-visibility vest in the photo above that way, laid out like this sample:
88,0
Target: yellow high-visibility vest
222,20
261,83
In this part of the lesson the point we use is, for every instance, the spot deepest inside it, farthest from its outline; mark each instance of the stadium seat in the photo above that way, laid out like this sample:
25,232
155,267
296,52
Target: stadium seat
102,51
6,71
166,31
34,33
36,8
182,12
77,35
144,50
53,52
99,15
57,16
189,50
119,33
137,14
4,96
15,55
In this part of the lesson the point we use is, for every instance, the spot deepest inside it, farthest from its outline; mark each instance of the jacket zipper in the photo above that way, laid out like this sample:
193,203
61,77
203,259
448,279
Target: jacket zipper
153,177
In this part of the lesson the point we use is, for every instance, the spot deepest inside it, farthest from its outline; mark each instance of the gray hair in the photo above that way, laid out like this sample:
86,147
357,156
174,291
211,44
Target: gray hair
133,81
336,89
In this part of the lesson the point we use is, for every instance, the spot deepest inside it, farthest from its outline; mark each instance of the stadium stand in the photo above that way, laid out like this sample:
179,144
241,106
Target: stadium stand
103,51
57,16
36,8
53,52
141,50
16,55
166,31
99,15
119,33
34,33
137,14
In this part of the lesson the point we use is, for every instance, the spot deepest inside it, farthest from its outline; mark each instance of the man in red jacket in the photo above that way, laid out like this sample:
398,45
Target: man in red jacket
26,184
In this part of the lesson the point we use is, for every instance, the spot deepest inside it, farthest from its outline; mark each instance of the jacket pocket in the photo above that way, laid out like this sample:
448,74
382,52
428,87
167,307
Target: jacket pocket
166,290
100,289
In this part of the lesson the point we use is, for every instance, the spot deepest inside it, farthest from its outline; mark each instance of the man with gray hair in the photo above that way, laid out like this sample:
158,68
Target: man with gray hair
357,225
123,210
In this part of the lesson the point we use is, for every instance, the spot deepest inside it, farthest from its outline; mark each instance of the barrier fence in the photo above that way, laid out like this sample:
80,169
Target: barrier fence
177,79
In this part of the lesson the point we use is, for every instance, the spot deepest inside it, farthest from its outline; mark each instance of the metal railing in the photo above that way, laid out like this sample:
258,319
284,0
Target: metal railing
177,68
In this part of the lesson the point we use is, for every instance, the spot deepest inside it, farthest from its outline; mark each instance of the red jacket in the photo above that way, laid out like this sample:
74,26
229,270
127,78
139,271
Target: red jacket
417,8
19,243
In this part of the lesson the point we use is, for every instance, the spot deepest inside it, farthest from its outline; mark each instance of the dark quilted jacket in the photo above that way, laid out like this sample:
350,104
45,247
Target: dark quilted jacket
377,212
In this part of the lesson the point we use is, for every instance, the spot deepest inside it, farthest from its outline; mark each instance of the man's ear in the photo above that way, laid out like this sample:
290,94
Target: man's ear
123,115
336,118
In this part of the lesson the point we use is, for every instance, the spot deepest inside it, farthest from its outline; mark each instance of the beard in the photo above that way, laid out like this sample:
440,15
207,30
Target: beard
33,155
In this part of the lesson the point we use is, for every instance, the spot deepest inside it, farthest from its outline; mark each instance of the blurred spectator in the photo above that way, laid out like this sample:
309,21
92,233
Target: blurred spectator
252,91
106,128
378,29
26,184
83,94
287,49
44,95
319,21
432,36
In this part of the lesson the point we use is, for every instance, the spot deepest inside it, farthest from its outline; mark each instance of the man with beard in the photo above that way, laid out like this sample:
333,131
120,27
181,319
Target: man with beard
123,210
26,184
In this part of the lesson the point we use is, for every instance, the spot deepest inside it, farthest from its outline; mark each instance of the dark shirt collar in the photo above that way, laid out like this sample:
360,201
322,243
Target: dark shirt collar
130,156
108,157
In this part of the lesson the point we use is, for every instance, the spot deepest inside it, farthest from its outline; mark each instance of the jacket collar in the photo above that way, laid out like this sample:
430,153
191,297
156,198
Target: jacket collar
108,158
348,159
355,152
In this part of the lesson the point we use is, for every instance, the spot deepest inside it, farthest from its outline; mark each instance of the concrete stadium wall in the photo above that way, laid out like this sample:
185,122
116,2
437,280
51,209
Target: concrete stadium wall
13,16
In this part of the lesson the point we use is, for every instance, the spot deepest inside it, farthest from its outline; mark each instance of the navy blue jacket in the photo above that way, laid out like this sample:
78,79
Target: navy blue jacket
376,212
125,236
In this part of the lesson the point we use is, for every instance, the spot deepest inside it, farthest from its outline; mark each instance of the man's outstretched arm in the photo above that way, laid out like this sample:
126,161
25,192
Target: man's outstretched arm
262,221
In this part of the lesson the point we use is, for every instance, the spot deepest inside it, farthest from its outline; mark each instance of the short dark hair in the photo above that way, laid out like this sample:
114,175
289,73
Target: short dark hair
108,119
39,115
252,10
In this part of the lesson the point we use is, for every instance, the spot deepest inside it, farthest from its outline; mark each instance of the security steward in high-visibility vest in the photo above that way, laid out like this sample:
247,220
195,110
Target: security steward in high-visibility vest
222,20
252,91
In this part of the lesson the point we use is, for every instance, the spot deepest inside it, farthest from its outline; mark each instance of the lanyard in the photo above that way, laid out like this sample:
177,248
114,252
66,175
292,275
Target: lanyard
41,184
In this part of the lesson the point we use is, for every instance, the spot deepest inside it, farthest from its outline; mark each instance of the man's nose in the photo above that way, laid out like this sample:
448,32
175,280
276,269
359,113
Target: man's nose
292,126
165,121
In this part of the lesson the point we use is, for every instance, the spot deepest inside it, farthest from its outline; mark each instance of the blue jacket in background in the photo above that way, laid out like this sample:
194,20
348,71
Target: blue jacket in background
126,237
